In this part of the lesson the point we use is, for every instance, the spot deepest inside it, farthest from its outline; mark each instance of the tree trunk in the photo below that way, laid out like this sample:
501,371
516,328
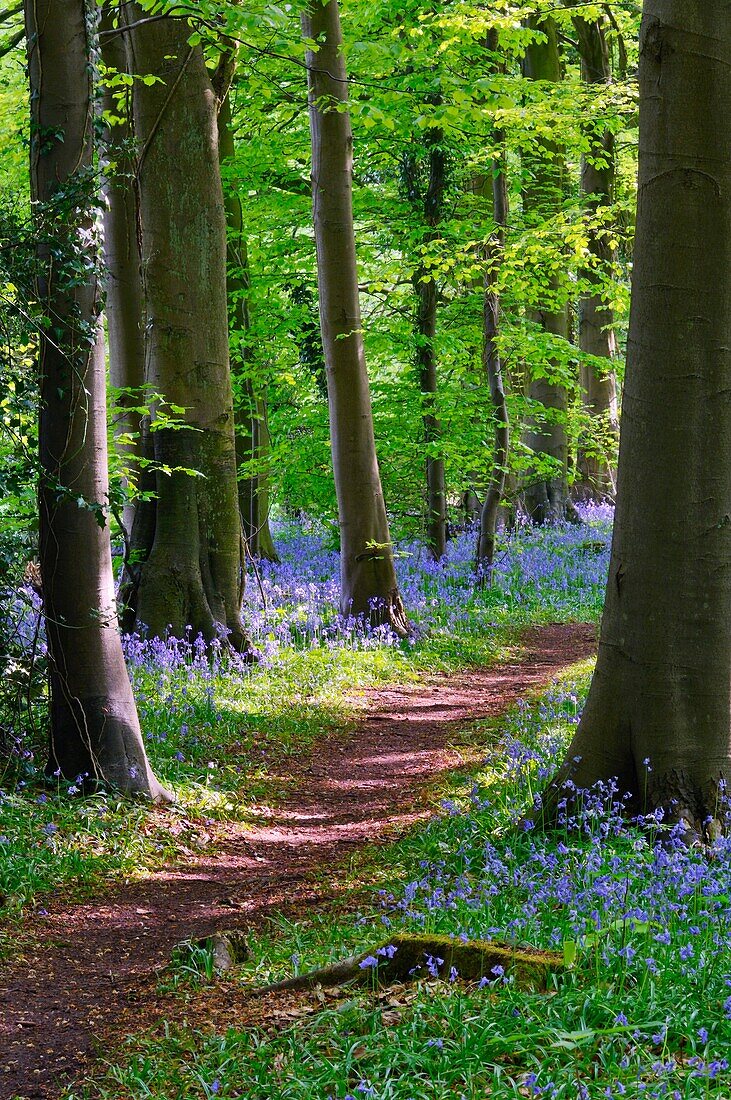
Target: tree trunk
122,264
494,375
547,497
192,574
596,478
436,490
368,577
662,684
265,543
252,433
425,287
95,731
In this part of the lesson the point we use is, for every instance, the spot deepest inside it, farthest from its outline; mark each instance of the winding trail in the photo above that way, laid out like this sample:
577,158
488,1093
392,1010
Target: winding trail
91,979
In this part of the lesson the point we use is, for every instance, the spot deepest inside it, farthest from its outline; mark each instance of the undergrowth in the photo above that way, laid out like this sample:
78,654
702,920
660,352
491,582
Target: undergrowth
217,729
643,1009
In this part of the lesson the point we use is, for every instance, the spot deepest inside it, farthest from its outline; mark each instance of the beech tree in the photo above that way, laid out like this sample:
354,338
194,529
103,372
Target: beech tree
658,713
187,564
94,729
596,331
123,284
428,197
367,575
546,496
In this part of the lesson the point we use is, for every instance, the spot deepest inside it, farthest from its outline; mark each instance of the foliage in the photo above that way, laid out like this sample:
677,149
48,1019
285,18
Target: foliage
415,70
21,664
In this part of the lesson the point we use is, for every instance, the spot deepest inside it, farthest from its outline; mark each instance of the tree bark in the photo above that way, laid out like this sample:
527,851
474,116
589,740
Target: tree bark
547,497
122,264
367,574
266,548
95,731
494,375
662,684
192,574
252,432
596,477
436,489
431,202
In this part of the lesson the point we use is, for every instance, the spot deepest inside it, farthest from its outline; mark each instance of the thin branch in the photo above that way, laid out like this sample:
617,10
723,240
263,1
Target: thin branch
9,45
127,27
10,12
163,109
566,40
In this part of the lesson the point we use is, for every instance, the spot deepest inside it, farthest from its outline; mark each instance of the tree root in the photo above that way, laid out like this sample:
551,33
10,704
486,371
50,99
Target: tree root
406,958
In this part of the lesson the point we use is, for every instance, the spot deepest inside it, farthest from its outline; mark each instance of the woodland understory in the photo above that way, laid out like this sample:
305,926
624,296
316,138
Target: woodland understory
636,914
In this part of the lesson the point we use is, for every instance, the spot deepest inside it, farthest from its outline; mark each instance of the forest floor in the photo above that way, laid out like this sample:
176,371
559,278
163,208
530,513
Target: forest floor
88,975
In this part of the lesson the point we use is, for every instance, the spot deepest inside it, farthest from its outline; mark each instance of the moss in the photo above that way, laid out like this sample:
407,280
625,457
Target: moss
417,956
472,960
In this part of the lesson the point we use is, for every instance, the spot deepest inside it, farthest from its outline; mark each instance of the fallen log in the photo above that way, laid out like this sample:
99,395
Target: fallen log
406,958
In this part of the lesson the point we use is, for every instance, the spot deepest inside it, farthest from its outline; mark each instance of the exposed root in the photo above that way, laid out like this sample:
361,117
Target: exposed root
397,618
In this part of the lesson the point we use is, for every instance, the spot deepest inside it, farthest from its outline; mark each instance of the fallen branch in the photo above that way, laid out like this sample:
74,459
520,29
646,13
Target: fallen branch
406,958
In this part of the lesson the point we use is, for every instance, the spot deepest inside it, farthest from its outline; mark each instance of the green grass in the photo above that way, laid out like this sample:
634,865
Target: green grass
643,1012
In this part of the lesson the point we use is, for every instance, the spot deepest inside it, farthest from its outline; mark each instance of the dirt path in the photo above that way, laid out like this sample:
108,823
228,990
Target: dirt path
89,982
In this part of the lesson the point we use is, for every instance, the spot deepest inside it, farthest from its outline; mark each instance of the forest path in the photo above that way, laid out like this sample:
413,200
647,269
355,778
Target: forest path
88,979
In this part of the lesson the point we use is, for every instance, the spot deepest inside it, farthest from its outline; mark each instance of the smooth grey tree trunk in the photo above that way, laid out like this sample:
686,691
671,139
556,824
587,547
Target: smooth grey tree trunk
123,286
192,573
95,732
547,497
367,574
662,687
596,478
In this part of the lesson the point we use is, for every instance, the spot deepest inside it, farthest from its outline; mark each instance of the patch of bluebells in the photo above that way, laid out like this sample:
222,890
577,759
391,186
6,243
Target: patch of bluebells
21,609
555,573
293,605
558,573
641,909
22,676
